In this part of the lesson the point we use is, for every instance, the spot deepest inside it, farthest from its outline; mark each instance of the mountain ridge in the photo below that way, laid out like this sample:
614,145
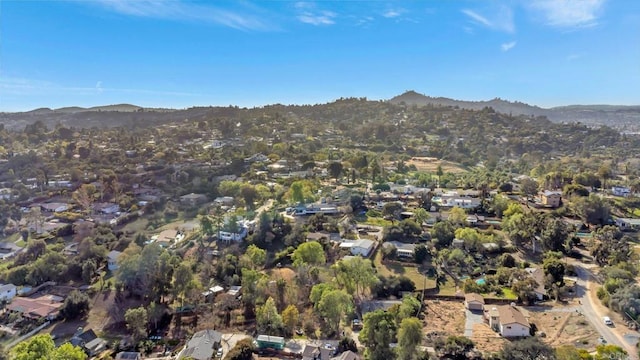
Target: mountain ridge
621,117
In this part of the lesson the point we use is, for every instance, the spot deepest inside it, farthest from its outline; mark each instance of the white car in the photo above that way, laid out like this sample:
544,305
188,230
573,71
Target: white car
607,321
219,353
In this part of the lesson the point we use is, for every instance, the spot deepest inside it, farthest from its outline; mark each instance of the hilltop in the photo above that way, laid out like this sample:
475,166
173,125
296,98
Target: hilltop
618,116
622,118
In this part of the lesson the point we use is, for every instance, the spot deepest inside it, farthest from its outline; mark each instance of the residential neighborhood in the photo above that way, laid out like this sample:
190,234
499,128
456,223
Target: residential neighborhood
154,244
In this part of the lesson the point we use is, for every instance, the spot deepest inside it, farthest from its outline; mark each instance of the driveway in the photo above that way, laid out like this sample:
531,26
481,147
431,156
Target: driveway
592,310
473,318
230,340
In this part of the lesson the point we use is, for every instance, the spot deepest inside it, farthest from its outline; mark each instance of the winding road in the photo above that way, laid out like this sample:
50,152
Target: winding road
592,310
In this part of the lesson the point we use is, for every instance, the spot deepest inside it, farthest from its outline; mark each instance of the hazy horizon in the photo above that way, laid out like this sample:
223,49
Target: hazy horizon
180,54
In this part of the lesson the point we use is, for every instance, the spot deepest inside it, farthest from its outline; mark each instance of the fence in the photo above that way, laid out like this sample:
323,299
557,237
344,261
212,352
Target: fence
27,335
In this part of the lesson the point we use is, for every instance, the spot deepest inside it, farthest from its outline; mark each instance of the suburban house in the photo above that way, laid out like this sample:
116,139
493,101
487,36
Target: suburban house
362,247
457,243
628,224
403,250
54,207
202,345
89,342
270,342
9,249
224,201
167,237
473,301
551,198
44,307
347,355
373,305
620,191
7,292
235,290
537,274
193,199
106,208
112,260
317,352
228,235
256,158
509,321
317,236
128,355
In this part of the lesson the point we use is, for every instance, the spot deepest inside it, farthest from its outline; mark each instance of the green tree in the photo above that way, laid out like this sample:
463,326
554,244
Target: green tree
530,348
420,254
457,216
75,305
267,317
554,267
243,350
257,257
378,331
421,215
310,253
137,320
355,275
335,169
456,348
442,234
610,352
290,318
529,187
183,280
333,305
409,338
42,347
554,235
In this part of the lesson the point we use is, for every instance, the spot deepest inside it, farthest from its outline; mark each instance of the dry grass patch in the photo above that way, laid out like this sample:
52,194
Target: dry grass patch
444,316
487,340
430,165
565,328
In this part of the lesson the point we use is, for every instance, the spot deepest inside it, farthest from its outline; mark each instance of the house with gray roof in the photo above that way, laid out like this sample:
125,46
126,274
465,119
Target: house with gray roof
202,345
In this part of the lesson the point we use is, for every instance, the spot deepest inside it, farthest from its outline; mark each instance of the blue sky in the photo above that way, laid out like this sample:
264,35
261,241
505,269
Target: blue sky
179,53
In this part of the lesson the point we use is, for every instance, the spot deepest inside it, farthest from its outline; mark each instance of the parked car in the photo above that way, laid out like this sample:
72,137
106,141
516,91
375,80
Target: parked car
607,321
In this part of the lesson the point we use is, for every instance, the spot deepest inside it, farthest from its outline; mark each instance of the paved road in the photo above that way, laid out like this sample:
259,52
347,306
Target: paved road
591,311
472,318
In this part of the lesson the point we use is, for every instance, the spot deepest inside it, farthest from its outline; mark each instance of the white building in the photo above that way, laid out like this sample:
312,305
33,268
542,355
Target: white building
112,260
7,292
509,321
362,247
620,191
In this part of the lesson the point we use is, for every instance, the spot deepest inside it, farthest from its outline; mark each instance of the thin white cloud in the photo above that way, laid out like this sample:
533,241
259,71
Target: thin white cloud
501,19
180,10
508,46
26,87
569,13
477,17
393,13
317,18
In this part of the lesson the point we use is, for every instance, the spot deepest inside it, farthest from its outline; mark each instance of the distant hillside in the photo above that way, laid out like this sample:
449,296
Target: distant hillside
109,116
621,117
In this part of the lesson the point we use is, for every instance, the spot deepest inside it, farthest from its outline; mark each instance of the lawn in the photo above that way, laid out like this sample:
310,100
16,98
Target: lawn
421,281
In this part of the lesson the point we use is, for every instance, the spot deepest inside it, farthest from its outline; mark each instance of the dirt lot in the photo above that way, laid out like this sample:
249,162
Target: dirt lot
429,164
444,316
565,328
